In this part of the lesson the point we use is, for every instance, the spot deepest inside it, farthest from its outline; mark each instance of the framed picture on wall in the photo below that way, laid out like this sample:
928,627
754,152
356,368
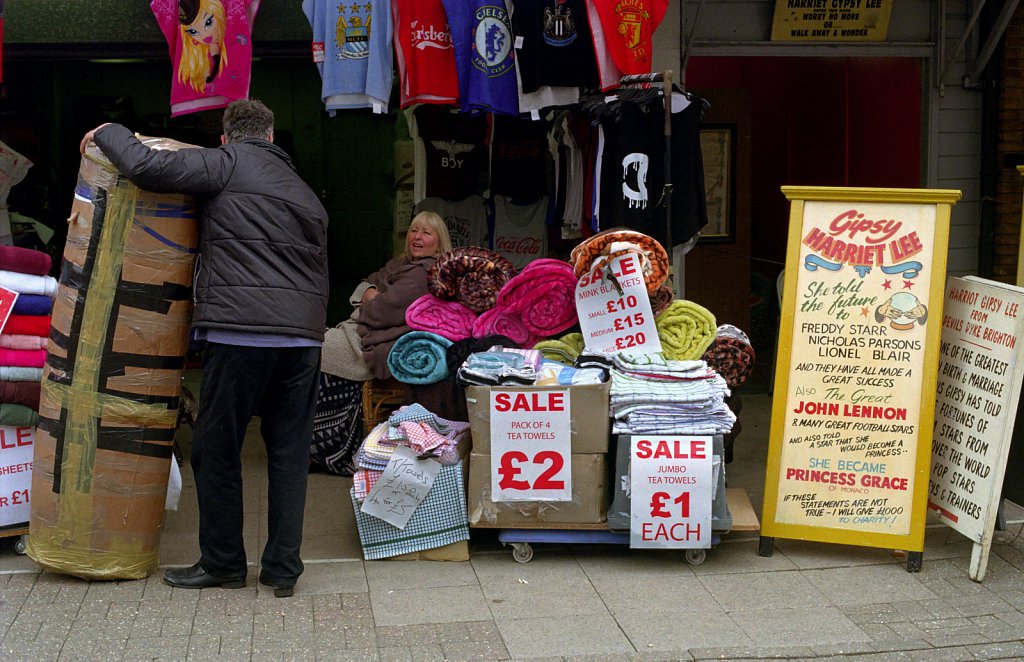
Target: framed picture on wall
718,150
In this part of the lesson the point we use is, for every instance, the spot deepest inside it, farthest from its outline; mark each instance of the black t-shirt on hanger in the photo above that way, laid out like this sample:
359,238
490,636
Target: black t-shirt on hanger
557,47
454,144
519,157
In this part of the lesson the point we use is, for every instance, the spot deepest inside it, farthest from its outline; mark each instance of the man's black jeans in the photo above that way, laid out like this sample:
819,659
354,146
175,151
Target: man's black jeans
280,384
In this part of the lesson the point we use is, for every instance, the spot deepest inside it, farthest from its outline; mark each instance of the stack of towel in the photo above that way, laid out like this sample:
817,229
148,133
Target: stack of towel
651,394
500,366
25,337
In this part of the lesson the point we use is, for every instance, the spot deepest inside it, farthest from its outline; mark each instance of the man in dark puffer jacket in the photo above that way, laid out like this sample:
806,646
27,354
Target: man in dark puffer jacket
261,305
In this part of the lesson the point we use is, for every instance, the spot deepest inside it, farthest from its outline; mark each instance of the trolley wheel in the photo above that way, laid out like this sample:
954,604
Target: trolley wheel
696,556
20,544
522,552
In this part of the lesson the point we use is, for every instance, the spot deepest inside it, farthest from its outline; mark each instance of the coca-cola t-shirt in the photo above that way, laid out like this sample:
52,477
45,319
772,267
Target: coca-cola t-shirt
519,231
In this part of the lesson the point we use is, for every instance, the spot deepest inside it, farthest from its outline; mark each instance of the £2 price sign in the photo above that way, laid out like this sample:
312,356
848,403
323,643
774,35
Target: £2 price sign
613,320
670,482
530,446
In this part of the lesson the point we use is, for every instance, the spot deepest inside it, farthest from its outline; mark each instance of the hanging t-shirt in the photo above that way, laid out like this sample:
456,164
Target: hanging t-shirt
689,199
210,45
519,230
518,157
423,51
454,151
633,168
608,72
484,57
352,51
466,219
557,47
628,27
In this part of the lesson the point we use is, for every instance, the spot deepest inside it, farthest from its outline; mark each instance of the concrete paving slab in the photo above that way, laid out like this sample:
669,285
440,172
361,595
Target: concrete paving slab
799,627
563,635
444,604
601,562
421,574
737,556
806,554
546,596
869,584
649,595
691,628
758,591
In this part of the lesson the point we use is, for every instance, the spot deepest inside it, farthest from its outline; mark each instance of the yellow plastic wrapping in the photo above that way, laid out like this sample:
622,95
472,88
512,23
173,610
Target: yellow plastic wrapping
112,379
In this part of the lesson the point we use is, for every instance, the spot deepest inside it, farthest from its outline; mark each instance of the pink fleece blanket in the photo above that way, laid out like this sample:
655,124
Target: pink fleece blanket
504,322
544,293
23,358
445,318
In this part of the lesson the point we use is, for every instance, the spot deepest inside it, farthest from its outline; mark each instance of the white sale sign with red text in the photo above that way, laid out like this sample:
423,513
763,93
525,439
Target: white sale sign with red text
617,319
670,483
530,446
15,473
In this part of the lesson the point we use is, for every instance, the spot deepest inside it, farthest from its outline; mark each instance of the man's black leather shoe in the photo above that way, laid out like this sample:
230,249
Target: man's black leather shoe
282,588
196,577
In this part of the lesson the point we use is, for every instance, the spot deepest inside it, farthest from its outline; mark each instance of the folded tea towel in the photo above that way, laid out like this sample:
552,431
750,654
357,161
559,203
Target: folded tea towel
471,275
686,330
418,357
460,350
445,318
28,283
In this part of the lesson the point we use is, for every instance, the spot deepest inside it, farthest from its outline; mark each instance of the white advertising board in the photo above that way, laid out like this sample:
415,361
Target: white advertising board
671,491
530,445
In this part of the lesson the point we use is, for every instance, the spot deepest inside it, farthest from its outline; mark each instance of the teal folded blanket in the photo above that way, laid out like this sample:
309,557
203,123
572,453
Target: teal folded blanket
419,357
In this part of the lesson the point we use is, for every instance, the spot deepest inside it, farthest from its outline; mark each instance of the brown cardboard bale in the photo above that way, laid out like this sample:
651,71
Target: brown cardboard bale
588,412
112,379
589,503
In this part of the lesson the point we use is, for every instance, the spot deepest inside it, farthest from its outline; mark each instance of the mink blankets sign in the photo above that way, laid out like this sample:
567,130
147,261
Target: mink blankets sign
856,369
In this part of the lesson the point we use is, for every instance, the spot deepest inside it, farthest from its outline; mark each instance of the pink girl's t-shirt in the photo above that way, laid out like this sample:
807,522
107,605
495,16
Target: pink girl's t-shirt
210,45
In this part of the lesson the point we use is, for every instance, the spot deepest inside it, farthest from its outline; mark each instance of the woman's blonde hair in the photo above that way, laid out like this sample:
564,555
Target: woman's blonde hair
435,223
194,66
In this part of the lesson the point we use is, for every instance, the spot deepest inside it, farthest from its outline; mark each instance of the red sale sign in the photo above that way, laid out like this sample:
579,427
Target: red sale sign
530,446
615,310
15,473
670,492
7,301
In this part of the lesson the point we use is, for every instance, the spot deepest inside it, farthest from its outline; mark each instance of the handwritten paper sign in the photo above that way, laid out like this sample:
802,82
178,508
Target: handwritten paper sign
530,445
617,319
401,488
852,414
671,488
15,473
976,403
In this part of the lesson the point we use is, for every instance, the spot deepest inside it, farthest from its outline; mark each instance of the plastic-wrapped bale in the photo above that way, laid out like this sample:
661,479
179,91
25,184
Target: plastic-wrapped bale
112,379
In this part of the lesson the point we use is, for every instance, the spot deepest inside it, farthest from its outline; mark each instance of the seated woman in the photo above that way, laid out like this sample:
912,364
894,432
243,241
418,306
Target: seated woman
357,350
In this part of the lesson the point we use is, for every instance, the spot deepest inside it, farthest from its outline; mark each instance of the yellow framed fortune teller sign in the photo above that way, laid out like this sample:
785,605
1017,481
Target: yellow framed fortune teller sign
855,378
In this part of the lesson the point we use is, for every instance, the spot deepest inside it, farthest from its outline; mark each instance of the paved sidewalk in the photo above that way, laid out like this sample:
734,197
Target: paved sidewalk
807,601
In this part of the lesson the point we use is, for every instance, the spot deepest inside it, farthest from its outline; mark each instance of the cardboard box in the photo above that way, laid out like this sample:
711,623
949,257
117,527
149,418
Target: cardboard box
589,503
112,381
588,412
456,551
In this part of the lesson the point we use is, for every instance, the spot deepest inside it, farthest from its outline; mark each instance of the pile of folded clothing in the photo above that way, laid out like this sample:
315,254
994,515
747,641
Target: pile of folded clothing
441,518
652,394
500,366
25,336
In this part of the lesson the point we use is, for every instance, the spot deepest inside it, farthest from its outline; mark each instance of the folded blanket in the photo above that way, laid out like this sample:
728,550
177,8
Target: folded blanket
418,357
730,357
23,358
686,330
18,416
661,299
32,304
28,284
457,354
23,342
445,318
545,299
21,393
28,325
504,322
535,274
471,275
564,349
24,260
12,374
598,251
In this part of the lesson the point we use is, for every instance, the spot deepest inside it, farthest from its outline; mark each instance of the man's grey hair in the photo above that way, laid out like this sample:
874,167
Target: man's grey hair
247,118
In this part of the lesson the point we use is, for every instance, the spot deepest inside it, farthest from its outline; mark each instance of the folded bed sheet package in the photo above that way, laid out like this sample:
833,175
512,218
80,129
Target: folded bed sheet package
112,380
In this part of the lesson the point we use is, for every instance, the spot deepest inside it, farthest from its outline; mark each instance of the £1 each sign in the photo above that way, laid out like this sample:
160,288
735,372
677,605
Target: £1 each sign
617,319
671,491
530,446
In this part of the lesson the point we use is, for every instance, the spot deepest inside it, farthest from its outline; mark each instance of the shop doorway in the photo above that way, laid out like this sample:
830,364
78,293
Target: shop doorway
799,121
